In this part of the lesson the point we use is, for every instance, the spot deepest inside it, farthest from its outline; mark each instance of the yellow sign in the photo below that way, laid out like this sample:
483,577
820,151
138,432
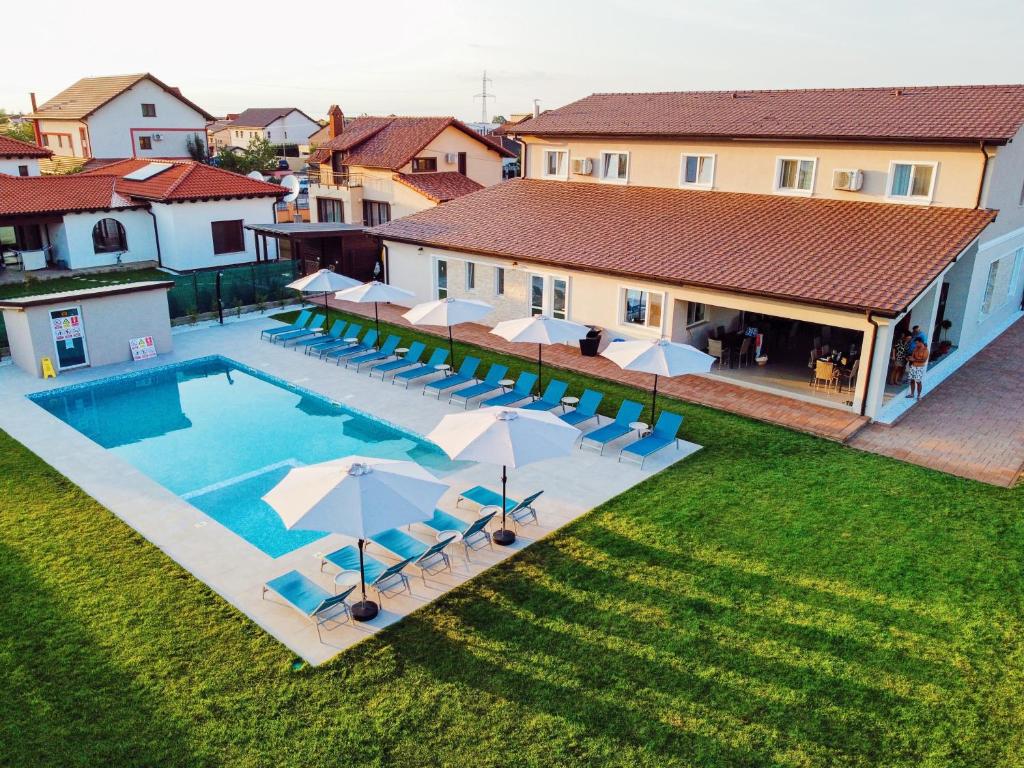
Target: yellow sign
48,372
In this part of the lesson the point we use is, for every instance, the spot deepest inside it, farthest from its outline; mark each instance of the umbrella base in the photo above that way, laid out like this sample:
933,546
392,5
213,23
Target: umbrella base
503,537
364,610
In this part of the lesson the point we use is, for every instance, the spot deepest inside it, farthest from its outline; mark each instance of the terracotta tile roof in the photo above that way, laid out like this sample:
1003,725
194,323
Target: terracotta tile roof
24,195
185,180
90,93
13,148
941,113
440,187
261,117
838,253
391,142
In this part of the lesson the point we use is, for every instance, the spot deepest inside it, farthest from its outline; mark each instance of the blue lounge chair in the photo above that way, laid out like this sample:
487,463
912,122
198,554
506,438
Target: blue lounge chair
485,387
386,350
665,432
308,598
331,337
411,357
551,398
298,325
474,535
368,344
519,511
352,332
409,375
465,374
429,558
316,325
585,410
629,412
520,391
334,336
385,579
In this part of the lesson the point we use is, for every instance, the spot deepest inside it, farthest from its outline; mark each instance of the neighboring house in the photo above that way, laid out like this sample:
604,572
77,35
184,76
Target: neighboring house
375,169
822,218
19,158
179,214
118,116
286,127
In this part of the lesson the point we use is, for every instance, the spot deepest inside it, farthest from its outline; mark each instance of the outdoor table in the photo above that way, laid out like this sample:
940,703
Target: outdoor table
486,510
443,367
455,536
345,579
352,340
569,401
506,383
401,350
639,426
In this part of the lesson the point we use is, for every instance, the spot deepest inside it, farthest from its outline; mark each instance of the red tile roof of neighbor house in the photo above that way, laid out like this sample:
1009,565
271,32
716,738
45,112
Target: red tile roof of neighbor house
14,148
84,97
27,195
391,142
184,180
853,255
962,113
440,187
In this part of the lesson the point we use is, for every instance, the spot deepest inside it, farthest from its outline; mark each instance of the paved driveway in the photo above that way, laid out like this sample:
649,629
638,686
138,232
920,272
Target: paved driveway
972,425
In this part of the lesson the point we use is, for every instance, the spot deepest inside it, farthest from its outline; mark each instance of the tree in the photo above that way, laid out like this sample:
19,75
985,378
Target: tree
196,148
258,156
499,120
22,131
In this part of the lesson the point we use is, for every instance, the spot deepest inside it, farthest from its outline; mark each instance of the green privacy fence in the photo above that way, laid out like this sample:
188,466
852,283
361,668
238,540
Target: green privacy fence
240,286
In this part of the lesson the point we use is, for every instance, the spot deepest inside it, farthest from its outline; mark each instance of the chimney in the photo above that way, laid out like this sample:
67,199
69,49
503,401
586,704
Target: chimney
336,121
32,97
536,107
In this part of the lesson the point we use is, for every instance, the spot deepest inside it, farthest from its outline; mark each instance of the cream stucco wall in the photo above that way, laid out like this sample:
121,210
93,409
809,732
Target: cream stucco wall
750,166
483,165
63,137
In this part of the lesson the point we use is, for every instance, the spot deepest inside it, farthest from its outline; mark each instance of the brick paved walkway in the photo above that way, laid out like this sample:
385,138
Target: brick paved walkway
972,425
830,423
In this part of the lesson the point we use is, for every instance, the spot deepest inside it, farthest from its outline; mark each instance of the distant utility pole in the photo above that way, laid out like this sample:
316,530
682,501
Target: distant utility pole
484,96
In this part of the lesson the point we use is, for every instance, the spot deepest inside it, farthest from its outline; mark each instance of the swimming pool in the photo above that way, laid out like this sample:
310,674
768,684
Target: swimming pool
220,434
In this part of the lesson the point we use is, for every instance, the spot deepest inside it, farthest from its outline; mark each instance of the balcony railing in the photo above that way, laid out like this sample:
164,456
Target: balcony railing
334,178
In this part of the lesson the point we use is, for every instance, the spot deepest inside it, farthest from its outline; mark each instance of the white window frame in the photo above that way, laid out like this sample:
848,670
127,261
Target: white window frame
702,320
613,179
988,293
551,283
544,167
780,190
684,184
437,278
625,324
470,275
912,199
543,294
499,280
1018,263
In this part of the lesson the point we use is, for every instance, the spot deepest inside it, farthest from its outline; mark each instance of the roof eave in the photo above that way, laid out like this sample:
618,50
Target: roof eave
865,139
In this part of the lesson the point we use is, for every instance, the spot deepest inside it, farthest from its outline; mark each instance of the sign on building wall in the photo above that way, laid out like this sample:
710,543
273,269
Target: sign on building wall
143,348
69,337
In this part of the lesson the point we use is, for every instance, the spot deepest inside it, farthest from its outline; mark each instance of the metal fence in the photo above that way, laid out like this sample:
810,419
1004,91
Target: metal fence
197,292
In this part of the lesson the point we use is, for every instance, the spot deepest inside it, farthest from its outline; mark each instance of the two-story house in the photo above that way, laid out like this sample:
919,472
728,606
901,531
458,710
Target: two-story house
288,128
19,158
819,220
118,116
375,169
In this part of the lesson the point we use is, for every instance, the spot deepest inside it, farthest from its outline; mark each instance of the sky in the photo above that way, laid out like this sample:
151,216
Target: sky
420,58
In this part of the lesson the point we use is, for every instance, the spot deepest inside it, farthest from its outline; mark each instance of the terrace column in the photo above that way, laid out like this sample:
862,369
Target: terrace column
871,388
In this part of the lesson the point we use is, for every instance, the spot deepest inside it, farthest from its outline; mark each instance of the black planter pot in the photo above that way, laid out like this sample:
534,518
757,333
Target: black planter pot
589,345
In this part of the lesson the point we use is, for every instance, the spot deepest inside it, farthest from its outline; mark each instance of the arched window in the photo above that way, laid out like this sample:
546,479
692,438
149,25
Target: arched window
108,236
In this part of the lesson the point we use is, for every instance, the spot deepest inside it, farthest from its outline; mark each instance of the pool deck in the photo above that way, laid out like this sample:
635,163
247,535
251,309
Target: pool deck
237,570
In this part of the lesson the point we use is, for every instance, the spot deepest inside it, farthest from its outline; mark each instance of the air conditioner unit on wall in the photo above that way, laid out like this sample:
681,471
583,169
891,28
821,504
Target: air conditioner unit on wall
850,180
582,166
451,157
157,137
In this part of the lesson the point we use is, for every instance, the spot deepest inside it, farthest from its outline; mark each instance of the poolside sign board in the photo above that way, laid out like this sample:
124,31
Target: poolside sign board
143,348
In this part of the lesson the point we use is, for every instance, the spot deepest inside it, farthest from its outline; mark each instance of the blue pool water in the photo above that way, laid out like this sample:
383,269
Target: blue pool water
220,435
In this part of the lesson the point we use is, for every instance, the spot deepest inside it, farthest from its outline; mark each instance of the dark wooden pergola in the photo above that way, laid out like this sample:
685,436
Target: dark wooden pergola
343,248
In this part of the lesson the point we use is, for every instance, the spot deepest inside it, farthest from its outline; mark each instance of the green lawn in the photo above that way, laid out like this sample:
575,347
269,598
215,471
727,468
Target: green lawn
34,287
775,600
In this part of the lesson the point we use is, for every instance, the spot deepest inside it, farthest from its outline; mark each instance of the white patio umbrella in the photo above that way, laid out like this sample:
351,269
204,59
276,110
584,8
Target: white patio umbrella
323,281
359,497
448,312
375,291
507,436
540,330
661,357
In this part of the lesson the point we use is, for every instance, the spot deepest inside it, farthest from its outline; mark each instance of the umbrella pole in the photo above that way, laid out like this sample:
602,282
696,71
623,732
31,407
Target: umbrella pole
504,537
540,375
376,319
325,301
365,609
451,346
654,398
